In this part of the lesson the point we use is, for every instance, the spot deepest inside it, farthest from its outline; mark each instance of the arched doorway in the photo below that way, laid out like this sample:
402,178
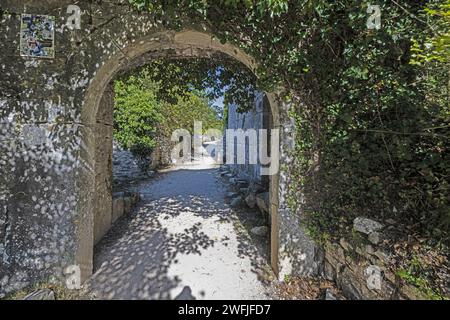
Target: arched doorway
97,113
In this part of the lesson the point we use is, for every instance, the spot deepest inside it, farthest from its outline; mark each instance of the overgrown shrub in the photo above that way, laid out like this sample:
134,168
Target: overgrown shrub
371,106
146,113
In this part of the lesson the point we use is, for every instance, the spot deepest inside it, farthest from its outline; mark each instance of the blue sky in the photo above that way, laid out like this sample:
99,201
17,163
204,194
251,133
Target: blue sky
218,102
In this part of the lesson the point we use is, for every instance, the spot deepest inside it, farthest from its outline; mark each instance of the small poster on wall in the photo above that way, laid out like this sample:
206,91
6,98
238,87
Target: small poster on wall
37,36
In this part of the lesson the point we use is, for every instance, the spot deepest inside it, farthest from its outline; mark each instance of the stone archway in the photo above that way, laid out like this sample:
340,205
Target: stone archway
98,110
48,110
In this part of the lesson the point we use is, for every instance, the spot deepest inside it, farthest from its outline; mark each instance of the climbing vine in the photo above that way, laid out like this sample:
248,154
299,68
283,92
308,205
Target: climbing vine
372,109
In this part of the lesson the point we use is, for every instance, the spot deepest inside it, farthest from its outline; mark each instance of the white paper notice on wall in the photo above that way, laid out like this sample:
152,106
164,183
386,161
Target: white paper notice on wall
37,36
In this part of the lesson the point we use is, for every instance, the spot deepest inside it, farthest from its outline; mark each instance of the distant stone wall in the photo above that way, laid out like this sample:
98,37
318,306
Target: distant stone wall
128,170
257,118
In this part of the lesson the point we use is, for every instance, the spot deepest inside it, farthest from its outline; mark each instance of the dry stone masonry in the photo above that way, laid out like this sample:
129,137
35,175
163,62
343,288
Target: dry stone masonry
361,268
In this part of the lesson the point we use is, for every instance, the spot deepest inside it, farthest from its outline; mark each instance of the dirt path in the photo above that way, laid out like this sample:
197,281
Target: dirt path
183,242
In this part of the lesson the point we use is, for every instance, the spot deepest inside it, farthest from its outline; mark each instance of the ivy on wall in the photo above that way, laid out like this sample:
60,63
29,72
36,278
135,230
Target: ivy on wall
372,105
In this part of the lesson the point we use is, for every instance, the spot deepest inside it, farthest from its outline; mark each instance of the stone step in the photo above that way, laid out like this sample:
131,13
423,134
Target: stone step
262,201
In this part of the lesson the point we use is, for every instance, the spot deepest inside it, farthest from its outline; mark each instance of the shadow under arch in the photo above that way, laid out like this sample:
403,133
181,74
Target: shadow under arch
181,44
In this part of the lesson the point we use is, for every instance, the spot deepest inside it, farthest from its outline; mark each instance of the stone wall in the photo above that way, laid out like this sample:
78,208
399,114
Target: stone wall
55,170
127,169
298,253
123,203
103,165
257,118
362,269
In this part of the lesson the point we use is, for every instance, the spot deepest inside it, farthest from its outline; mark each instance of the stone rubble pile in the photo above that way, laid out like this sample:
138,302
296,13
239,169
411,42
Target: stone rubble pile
243,194
360,267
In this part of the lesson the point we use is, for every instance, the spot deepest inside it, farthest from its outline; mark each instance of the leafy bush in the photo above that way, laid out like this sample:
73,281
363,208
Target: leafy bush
146,113
137,114
371,106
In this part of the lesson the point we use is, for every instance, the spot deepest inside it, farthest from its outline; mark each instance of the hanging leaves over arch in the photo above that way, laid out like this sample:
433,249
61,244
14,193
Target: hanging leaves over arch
371,105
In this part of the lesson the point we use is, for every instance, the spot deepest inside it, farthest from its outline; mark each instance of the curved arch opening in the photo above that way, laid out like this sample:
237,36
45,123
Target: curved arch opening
98,114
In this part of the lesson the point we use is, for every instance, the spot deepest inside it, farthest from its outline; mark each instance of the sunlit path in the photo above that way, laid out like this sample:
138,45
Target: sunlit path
183,239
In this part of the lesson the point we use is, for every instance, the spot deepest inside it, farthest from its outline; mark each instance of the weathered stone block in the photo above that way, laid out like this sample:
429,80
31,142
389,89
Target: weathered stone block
242,184
366,277
262,201
237,202
250,200
329,295
127,205
231,194
260,231
366,226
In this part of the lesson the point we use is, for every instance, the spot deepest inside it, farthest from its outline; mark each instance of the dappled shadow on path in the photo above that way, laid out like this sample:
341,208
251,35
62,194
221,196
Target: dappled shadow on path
183,234
136,263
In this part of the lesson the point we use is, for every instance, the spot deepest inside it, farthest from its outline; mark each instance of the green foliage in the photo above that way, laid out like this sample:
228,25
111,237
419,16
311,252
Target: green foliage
220,75
137,114
377,143
372,106
189,108
146,112
437,46
414,275
317,225
287,278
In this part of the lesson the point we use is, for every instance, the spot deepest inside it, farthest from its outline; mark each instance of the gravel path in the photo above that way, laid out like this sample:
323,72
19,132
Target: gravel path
183,242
